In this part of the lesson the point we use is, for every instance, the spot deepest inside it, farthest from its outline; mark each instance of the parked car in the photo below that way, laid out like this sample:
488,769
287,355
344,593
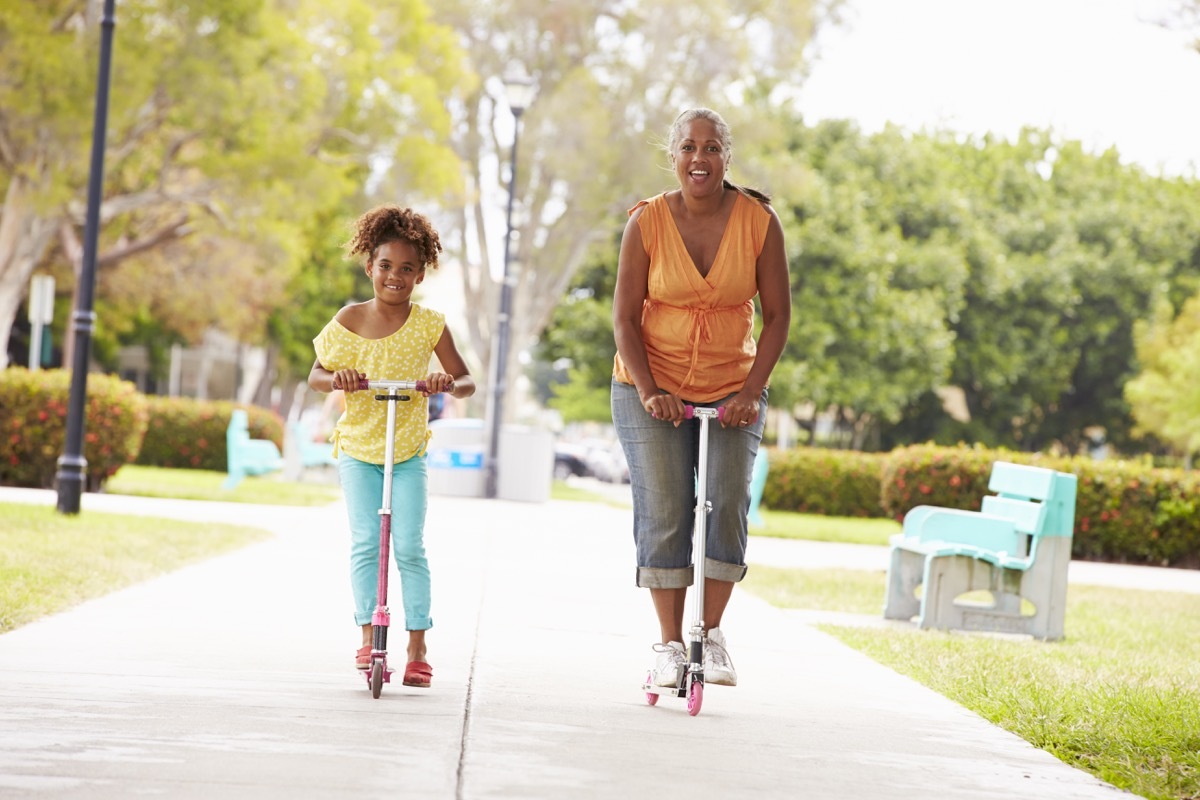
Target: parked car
606,460
569,461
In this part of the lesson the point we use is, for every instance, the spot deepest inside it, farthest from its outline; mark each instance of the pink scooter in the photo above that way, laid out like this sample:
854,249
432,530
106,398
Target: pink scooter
691,677
379,673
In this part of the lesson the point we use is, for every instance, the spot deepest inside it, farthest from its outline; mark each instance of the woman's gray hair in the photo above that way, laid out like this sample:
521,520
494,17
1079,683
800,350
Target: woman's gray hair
693,114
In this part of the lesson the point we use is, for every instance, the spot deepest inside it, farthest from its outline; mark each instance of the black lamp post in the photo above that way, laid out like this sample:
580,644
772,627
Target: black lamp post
520,95
72,466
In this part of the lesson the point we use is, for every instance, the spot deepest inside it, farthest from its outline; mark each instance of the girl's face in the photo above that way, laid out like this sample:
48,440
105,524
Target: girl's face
395,270
700,159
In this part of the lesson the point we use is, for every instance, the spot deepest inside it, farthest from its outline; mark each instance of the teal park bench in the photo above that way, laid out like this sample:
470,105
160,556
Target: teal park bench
246,456
1017,547
311,453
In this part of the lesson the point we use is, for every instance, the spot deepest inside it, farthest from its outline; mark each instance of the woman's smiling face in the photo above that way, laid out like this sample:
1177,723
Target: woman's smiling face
700,158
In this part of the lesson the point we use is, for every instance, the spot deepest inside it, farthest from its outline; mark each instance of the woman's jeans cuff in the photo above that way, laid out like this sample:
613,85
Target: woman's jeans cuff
681,577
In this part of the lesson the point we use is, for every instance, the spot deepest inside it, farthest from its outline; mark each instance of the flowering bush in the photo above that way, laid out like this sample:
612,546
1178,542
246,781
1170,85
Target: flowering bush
815,480
186,433
33,424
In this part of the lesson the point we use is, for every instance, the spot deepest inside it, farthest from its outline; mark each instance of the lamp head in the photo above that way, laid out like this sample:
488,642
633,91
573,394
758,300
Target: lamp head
519,91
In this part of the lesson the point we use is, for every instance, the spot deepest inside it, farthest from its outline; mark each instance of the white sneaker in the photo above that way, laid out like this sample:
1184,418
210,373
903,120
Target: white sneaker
718,669
668,665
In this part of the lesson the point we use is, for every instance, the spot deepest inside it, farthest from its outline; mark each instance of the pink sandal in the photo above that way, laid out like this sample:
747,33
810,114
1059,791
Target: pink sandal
418,673
362,660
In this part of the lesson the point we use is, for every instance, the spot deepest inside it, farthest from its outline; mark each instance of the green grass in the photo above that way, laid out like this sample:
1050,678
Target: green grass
850,530
50,561
1119,697
778,524
198,484
561,490
853,591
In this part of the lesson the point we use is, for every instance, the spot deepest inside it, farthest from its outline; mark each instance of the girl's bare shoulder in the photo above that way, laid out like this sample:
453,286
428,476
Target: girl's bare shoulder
350,316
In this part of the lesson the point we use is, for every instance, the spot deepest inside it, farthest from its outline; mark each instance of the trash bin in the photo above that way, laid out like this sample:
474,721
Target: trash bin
526,464
455,457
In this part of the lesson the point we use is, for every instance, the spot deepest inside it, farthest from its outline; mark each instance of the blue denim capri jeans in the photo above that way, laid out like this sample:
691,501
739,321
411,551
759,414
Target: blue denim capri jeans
362,485
663,471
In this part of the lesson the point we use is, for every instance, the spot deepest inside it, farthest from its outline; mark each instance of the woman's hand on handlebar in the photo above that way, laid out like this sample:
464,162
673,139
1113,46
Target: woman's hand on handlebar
740,410
663,406
347,380
439,382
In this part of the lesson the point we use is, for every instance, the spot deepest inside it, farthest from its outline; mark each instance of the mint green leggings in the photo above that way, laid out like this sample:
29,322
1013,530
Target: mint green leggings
362,485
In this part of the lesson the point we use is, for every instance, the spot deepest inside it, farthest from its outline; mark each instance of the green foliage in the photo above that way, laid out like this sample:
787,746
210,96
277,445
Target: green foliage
821,481
1165,396
233,126
33,424
1125,511
580,334
190,434
1013,270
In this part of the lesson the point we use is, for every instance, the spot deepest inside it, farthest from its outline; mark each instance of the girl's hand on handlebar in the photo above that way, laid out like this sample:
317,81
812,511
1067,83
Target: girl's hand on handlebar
347,379
438,382
666,407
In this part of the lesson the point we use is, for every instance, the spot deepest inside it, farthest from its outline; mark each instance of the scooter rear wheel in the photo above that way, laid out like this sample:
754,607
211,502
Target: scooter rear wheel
376,679
651,697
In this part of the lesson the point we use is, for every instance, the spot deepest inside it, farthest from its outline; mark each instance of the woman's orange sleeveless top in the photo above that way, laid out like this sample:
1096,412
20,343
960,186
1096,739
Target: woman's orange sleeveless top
698,330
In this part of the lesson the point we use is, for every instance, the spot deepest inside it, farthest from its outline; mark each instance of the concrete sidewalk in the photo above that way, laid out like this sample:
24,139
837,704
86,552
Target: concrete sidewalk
233,679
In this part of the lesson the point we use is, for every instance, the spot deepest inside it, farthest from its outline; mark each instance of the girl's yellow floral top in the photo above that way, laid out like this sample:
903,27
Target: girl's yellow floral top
404,356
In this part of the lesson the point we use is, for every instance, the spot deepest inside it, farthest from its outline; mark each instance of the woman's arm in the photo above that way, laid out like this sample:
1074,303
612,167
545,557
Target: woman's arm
775,299
633,271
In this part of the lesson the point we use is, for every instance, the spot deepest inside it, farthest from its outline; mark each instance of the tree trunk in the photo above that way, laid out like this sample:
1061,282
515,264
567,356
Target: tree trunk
24,239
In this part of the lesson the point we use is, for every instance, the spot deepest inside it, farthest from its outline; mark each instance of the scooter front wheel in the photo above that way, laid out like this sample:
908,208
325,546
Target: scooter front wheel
376,679
651,697
695,698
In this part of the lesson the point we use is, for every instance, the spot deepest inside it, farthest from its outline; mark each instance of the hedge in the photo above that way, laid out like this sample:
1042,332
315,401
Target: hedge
33,423
814,480
187,433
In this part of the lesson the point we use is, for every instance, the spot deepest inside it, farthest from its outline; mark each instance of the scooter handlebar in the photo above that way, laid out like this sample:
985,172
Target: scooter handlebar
689,412
418,386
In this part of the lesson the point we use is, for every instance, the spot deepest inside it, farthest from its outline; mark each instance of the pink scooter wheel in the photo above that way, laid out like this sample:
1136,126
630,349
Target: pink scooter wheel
651,697
376,679
695,698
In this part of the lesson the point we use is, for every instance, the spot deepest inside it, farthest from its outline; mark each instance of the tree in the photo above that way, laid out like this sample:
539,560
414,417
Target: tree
609,75
1165,397
232,126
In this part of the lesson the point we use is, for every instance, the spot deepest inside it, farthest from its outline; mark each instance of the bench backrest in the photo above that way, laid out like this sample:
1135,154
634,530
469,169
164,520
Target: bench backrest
239,427
1040,501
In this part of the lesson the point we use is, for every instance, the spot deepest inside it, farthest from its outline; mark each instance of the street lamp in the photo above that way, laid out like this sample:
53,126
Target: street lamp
72,466
520,95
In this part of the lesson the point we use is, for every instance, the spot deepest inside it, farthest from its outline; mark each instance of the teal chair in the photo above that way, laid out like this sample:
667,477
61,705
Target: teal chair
758,480
246,456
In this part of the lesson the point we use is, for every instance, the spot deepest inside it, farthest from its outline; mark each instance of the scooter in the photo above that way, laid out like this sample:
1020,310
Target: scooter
379,673
691,677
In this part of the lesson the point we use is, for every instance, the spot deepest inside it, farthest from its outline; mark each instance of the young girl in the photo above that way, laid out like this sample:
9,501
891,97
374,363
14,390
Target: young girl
389,337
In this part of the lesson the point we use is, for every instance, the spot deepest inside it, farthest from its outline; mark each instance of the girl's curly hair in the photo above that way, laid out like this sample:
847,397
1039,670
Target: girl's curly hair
391,223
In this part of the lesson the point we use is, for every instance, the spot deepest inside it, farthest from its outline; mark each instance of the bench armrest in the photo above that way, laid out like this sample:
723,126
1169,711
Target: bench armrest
954,526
